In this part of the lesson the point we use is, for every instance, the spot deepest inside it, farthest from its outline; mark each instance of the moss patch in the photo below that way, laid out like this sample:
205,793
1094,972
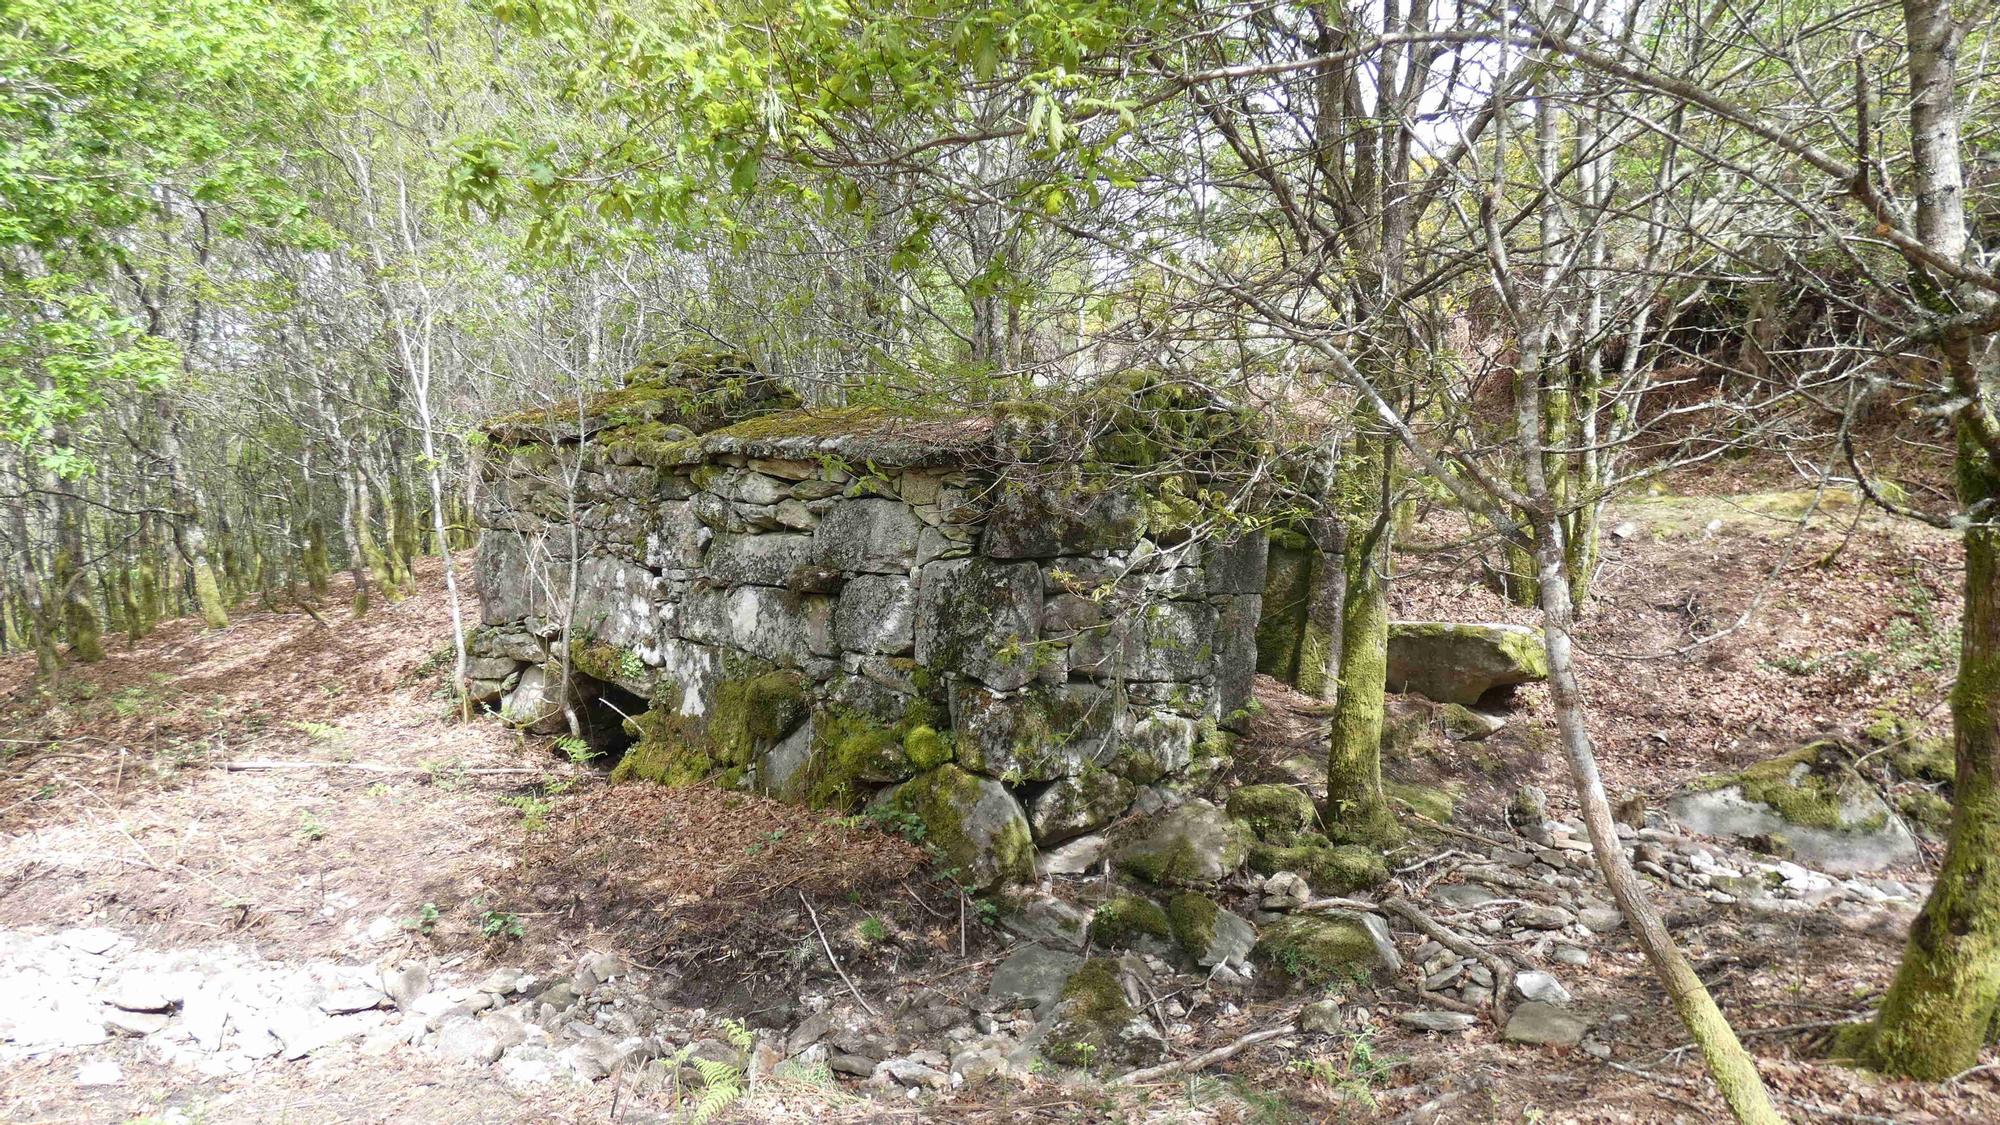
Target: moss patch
1127,919
1276,813
1431,801
671,748
1090,1019
1810,787
1317,951
1927,810
1330,868
925,748
851,750
1192,917
752,712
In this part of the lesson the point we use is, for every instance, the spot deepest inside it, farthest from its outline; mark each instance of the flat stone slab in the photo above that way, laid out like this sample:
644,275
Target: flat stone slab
1542,1024
1033,975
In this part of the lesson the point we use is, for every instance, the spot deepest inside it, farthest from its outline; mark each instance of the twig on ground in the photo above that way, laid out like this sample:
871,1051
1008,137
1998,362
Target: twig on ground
1207,1058
1503,973
835,961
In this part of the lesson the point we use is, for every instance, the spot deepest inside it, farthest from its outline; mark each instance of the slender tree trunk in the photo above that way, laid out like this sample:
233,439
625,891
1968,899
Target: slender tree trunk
1357,810
1729,1065
1326,594
1942,1005
188,530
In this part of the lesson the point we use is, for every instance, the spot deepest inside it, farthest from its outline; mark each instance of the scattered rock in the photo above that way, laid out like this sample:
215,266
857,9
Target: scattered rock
1435,1021
1538,985
406,985
1320,1017
1542,917
468,1040
102,1073
1543,1024
1600,919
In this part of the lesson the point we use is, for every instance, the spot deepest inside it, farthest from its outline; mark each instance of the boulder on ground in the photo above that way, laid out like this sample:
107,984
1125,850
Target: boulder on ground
1190,844
1813,801
1316,949
974,820
1094,1025
1460,662
1543,1024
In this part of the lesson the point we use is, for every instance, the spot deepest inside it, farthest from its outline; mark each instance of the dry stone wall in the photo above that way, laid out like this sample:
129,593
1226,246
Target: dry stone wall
858,608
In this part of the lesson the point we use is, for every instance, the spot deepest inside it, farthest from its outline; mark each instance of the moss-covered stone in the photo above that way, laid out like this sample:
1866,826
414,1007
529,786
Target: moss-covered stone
1329,868
1317,951
1127,920
925,748
976,825
752,712
671,748
1281,624
1092,1025
1812,787
1192,917
1927,810
851,753
1275,813
1189,845
1433,802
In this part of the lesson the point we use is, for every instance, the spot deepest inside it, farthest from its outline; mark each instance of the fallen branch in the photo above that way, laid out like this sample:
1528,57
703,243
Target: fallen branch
1503,973
1206,1059
835,961
364,767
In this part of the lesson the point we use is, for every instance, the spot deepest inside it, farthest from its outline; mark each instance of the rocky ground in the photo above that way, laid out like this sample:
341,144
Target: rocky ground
259,875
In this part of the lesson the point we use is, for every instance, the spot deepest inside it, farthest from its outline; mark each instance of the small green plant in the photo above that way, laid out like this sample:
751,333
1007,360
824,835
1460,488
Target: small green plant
318,732
426,920
575,749
534,810
872,930
311,828
501,924
718,1083
379,789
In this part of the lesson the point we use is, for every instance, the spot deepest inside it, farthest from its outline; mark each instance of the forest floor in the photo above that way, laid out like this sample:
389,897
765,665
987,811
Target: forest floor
285,798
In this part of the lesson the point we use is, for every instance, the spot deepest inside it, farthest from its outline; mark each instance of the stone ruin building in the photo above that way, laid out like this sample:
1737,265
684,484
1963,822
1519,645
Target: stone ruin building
962,617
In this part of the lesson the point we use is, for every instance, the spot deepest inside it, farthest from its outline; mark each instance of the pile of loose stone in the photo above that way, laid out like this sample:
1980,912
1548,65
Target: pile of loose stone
222,1011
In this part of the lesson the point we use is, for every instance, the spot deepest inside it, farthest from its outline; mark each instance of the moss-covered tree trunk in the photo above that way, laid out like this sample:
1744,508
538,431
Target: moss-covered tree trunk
191,535
1941,1007
1325,617
1940,1010
1357,810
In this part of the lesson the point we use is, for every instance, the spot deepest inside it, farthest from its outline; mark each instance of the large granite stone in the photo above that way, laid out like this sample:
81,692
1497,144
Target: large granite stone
979,618
1036,734
876,614
1454,662
871,536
